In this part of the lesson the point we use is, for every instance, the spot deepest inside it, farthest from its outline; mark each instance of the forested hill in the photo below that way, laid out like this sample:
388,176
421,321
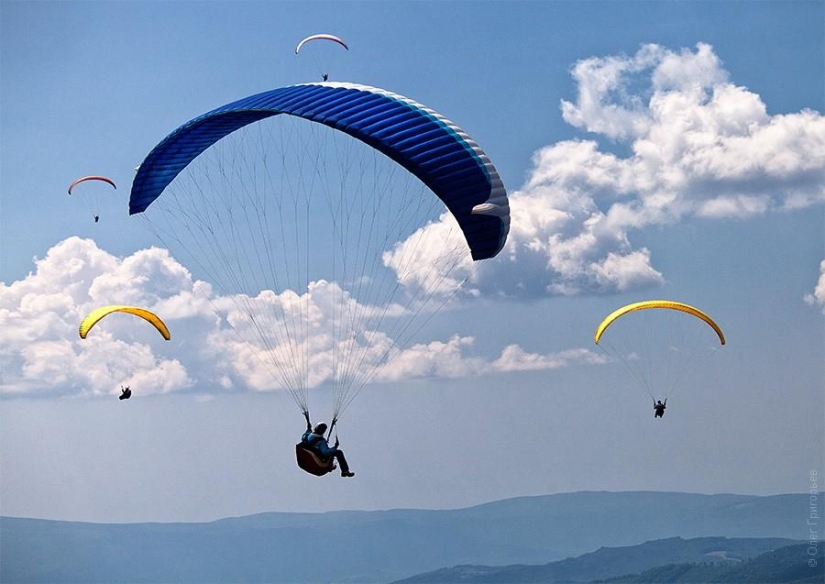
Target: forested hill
795,564
659,560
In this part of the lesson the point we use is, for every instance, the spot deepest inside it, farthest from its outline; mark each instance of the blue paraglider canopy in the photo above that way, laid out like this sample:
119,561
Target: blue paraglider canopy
431,147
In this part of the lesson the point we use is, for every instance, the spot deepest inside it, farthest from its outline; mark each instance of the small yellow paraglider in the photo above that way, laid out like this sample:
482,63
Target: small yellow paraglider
660,343
96,315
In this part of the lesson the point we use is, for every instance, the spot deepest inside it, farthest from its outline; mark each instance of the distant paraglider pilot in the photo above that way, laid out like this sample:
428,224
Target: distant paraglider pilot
125,392
314,440
659,408
97,218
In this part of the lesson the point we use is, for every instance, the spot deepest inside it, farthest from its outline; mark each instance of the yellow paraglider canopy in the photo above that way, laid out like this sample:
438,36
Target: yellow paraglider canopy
96,315
667,304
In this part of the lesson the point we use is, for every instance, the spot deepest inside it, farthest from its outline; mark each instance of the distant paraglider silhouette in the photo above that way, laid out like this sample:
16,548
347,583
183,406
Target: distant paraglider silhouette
93,198
318,58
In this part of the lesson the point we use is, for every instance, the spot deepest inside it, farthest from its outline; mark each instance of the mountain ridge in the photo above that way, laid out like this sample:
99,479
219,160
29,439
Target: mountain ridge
383,545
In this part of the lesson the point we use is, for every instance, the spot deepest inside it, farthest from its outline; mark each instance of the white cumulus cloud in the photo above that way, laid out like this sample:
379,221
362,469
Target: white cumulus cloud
219,342
448,360
40,349
697,146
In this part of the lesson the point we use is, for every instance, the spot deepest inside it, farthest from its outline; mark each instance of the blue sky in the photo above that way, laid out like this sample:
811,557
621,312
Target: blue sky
650,149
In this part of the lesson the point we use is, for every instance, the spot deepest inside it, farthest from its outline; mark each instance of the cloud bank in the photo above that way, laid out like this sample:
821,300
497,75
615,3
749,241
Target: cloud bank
696,146
41,352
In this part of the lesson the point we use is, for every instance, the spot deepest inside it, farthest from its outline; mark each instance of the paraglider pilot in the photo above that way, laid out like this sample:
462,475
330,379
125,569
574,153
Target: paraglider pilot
125,392
314,439
659,408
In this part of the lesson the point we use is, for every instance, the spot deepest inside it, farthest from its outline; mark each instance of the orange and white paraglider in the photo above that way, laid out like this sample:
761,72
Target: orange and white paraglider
94,196
324,37
322,57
